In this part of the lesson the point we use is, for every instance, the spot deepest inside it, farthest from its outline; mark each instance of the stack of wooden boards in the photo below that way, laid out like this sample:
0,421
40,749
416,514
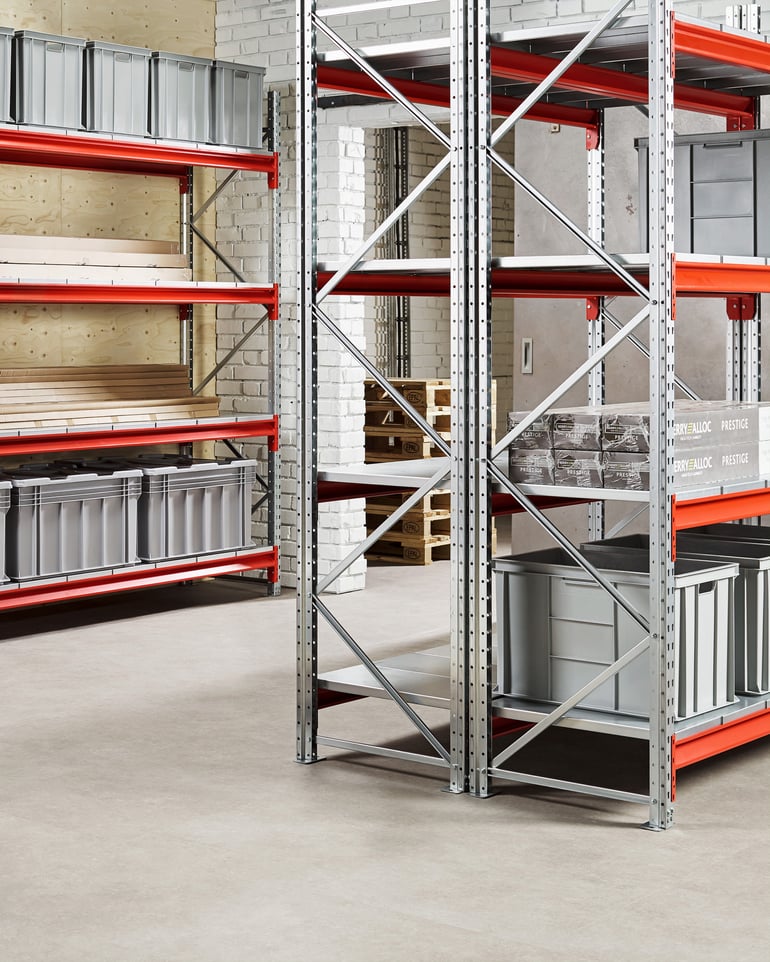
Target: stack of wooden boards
51,397
91,259
423,534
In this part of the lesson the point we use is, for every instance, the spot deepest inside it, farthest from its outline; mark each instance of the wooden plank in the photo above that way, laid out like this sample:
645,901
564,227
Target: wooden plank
22,257
105,371
76,273
422,529
48,242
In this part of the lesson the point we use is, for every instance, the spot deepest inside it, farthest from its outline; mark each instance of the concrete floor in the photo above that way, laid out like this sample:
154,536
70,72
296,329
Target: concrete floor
152,811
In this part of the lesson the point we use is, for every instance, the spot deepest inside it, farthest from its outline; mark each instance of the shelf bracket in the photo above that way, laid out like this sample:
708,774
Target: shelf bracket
742,307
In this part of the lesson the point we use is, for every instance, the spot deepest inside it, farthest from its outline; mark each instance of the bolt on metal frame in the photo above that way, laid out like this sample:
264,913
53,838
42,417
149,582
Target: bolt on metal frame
472,457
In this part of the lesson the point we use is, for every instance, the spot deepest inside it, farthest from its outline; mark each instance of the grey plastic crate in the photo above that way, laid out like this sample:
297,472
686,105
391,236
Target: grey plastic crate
5,503
557,629
180,97
117,82
48,79
6,46
237,104
190,507
65,521
752,592
722,193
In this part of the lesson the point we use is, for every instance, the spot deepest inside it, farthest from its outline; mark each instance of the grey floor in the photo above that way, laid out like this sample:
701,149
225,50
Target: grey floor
152,811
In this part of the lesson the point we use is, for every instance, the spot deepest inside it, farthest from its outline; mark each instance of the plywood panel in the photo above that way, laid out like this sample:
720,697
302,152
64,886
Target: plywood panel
42,15
30,200
109,205
161,24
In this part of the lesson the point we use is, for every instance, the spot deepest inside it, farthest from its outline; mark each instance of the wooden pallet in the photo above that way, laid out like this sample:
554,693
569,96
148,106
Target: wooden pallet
438,500
423,527
421,394
383,445
69,396
410,552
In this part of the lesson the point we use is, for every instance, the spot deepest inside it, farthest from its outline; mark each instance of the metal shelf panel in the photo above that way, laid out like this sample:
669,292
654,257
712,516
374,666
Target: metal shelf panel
43,147
127,435
140,576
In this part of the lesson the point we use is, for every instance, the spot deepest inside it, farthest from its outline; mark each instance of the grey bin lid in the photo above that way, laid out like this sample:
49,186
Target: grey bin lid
33,35
229,65
620,561
117,48
180,58
7,31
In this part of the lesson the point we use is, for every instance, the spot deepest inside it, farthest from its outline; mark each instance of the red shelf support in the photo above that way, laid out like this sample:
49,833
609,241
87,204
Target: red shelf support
129,579
714,741
119,437
720,508
45,149
356,82
615,84
12,292
720,45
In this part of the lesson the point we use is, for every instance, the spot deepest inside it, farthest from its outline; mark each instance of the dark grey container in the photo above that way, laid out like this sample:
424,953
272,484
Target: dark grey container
722,193
6,47
117,83
180,97
237,104
64,522
5,504
724,543
557,629
190,507
48,79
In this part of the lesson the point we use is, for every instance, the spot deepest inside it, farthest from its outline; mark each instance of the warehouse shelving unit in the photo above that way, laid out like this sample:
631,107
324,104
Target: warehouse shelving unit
570,75
157,158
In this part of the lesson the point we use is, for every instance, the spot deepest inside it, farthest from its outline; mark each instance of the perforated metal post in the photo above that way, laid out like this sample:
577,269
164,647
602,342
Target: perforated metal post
471,390
662,592
307,391
274,338
596,231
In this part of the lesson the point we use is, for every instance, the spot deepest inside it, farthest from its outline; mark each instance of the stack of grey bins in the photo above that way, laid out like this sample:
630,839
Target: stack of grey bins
53,81
558,629
67,518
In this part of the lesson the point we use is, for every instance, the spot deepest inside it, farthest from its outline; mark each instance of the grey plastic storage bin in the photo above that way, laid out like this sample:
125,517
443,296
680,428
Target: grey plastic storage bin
722,193
6,46
752,592
237,104
5,503
48,79
180,97
117,83
557,629
63,521
191,507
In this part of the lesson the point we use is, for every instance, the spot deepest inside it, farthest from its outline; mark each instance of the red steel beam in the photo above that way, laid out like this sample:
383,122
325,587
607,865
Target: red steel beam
696,748
506,282
720,508
119,437
692,279
721,280
43,149
356,82
22,292
129,579
719,45
520,65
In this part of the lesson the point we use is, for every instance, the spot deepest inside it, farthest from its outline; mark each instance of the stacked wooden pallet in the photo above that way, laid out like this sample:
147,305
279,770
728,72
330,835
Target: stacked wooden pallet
423,534
42,397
